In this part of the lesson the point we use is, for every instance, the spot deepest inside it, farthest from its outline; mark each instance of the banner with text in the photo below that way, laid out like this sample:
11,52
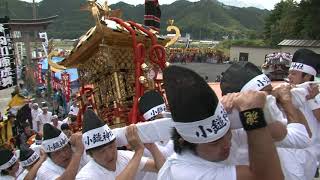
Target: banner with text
7,59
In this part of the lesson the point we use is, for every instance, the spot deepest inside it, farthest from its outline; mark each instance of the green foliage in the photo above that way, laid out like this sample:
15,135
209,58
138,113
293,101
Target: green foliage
206,19
23,9
290,20
241,42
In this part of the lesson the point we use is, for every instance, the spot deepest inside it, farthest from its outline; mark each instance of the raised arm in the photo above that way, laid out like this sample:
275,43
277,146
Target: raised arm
263,157
155,164
72,169
277,130
294,115
134,141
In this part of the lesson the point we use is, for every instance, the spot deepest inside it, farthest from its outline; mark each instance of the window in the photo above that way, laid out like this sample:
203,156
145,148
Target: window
243,56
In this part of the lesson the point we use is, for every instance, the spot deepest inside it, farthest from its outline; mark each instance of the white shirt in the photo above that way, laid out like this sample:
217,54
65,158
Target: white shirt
187,166
34,114
58,126
44,118
49,170
166,148
93,170
7,178
23,175
296,164
297,137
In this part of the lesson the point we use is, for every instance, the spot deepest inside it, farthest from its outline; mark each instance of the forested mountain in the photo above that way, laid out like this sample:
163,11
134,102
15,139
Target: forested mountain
206,19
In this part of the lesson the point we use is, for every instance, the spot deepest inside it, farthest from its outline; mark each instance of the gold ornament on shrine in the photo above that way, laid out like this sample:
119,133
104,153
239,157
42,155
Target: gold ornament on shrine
144,67
171,28
143,80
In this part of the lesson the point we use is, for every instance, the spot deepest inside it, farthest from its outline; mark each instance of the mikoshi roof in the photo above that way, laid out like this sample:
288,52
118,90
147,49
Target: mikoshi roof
109,33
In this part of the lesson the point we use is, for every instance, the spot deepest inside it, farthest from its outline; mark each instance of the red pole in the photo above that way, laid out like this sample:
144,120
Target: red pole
138,51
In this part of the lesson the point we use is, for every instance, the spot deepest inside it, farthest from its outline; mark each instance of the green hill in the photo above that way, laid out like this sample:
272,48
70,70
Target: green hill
206,19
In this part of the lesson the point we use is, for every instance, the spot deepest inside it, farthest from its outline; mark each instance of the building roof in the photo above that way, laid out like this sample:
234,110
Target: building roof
33,21
300,43
31,24
109,33
254,46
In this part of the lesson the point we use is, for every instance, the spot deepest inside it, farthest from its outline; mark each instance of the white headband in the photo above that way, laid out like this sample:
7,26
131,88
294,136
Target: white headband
9,163
206,130
257,83
154,111
32,159
97,137
303,68
54,117
54,144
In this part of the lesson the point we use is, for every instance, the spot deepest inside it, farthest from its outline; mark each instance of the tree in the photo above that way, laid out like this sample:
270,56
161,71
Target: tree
280,24
290,20
310,19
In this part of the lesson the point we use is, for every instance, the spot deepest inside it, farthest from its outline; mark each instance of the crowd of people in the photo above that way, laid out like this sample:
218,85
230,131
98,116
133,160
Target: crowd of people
196,57
255,131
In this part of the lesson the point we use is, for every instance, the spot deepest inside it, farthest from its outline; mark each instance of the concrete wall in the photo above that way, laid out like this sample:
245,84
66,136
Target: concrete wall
256,55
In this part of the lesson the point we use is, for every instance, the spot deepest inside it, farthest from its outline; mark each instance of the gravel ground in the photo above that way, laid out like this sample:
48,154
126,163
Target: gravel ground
206,69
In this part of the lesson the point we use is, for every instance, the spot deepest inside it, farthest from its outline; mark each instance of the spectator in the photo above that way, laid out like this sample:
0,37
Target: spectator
23,138
44,117
23,115
34,114
55,122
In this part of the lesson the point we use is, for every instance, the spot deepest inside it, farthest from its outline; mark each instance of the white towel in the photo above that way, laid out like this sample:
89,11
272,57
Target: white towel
271,112
149,132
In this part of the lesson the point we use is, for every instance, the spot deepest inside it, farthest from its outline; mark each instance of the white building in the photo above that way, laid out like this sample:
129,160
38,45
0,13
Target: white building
256,55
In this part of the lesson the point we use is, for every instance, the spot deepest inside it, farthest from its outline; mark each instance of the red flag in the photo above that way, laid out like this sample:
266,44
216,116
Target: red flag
66,85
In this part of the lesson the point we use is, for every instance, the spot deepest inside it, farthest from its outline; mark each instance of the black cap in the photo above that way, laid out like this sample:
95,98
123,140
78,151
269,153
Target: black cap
6,160
238,75
149,100
307,57
50,132
189,96
64,126
25,153
95,132
91,121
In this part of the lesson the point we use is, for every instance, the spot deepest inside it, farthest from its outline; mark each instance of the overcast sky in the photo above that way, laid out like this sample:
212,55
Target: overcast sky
269,4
